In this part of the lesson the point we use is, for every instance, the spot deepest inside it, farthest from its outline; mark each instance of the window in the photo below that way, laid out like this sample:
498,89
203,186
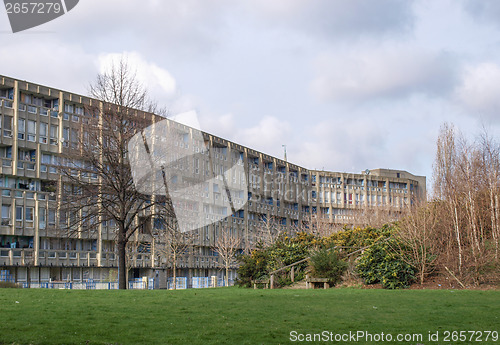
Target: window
7,126
21,128
43,132
69,108
66,136
19,213
31,130
25,98
5,212
7,152
55,104
46,159
38,101
29,214
27,155
63,218
41,217
54,134
52,217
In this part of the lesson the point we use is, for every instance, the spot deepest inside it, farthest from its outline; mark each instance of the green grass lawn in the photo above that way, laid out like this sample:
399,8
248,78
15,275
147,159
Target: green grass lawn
238,316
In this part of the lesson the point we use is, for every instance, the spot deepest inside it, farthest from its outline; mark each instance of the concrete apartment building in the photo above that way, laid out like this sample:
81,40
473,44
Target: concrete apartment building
37,123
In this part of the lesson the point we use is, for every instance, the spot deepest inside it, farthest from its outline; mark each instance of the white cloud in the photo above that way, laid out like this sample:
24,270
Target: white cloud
268,135
479,90
47,62
343,143
382,73
186,28
222,125
188,118
159,82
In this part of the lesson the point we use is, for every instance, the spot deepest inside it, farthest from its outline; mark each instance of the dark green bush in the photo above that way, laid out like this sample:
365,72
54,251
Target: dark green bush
382,264
252,267
284,251
327,264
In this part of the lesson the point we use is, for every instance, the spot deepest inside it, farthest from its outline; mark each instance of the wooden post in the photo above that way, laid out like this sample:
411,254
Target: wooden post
307,281
455,277
292,274
271,282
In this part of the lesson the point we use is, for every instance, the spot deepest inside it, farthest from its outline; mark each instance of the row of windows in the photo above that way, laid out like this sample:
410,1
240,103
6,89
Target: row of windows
27,129
38,101
27,214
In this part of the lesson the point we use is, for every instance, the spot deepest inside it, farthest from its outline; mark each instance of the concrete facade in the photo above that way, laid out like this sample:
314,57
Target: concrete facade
39,122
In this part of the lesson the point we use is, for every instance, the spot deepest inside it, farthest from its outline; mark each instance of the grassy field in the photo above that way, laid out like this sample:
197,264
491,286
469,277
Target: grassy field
239,316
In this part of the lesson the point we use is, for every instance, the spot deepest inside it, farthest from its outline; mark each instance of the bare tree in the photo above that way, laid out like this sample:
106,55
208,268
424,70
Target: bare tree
445,183
173,244
96,169
466,183
268,229
419,238
226,246
491,164
134,248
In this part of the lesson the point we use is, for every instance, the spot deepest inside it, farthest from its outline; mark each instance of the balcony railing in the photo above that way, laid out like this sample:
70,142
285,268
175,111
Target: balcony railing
16,256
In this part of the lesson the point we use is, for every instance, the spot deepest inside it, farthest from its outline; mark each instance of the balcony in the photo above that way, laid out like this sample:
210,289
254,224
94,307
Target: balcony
16,257
8,104
68,258
141,260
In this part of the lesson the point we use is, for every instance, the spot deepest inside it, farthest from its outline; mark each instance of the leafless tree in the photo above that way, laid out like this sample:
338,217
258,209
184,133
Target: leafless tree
270,228
97,176
226,246
419,237
315,225
135,247
466,182
445,183
491,164
172,244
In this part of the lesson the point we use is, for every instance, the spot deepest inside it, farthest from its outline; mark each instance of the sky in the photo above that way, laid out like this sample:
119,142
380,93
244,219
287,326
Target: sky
345,85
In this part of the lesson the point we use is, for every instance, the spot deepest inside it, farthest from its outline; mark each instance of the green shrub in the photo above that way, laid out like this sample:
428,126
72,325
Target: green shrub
252,267
284,251
382,264
327,264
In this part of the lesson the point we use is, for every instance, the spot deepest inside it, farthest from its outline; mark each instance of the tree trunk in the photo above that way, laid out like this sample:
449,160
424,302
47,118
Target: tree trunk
497,227
494,220
459,243
174,264
227,275
122,265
